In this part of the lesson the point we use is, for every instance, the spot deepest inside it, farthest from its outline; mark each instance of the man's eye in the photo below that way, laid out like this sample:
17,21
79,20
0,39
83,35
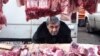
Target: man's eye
51,26
56,27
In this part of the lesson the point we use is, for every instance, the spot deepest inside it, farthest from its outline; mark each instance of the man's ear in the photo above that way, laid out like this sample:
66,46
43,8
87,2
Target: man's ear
47,26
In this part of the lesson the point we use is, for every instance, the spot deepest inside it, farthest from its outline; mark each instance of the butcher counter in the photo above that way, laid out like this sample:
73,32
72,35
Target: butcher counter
72,49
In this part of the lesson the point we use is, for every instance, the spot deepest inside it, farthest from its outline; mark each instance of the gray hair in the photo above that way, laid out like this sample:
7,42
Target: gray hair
53,20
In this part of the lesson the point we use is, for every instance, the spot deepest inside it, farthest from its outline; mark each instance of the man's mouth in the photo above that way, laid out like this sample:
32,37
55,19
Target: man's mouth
54,33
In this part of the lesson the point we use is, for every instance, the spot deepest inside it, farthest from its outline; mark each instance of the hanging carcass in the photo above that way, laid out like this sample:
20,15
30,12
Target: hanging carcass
3,21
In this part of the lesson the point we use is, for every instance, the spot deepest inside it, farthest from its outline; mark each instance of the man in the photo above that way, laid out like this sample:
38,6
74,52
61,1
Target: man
52,31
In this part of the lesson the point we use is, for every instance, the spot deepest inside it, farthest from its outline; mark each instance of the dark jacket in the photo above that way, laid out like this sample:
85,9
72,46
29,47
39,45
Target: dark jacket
42,34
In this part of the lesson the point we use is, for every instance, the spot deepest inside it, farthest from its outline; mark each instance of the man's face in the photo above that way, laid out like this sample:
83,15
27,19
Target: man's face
53,28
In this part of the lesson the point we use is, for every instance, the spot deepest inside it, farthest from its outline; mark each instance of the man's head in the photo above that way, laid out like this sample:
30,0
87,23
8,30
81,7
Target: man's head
53,25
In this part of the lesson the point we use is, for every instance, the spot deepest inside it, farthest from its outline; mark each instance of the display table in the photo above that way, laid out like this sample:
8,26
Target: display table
49,49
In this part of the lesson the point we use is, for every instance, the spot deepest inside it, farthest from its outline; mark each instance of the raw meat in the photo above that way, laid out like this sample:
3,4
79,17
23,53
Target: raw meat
83,51
73,54
91,51
90,5
31,9
5,1
53,51
41,8
3,20
98,51
3,53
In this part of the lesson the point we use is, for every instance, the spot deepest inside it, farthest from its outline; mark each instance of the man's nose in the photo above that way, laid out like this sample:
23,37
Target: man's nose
54,29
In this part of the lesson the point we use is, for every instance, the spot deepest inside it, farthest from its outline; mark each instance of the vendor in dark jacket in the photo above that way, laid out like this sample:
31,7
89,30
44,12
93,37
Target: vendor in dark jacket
52,31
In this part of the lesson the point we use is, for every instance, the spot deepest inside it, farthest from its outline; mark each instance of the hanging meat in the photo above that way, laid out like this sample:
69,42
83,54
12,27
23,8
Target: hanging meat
98,1
31,9
5,1
41,8
55,7
3,20
20,2
90,5
72,6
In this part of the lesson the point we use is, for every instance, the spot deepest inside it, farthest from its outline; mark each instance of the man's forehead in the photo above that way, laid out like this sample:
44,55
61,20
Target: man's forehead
54,24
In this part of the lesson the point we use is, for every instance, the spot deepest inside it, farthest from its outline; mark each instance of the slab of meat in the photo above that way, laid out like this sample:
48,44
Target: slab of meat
5,1
74,48
31,9
72,6
52,51
55,7
41,8
37,8
72,54
3,53
1,3
12,52
3,20
21,2
59,53
98,51
83,51
91,51
24,51
90,5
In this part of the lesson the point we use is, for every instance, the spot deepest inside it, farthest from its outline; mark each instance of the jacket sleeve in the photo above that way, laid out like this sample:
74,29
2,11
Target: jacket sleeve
68,38
37,37
67,33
